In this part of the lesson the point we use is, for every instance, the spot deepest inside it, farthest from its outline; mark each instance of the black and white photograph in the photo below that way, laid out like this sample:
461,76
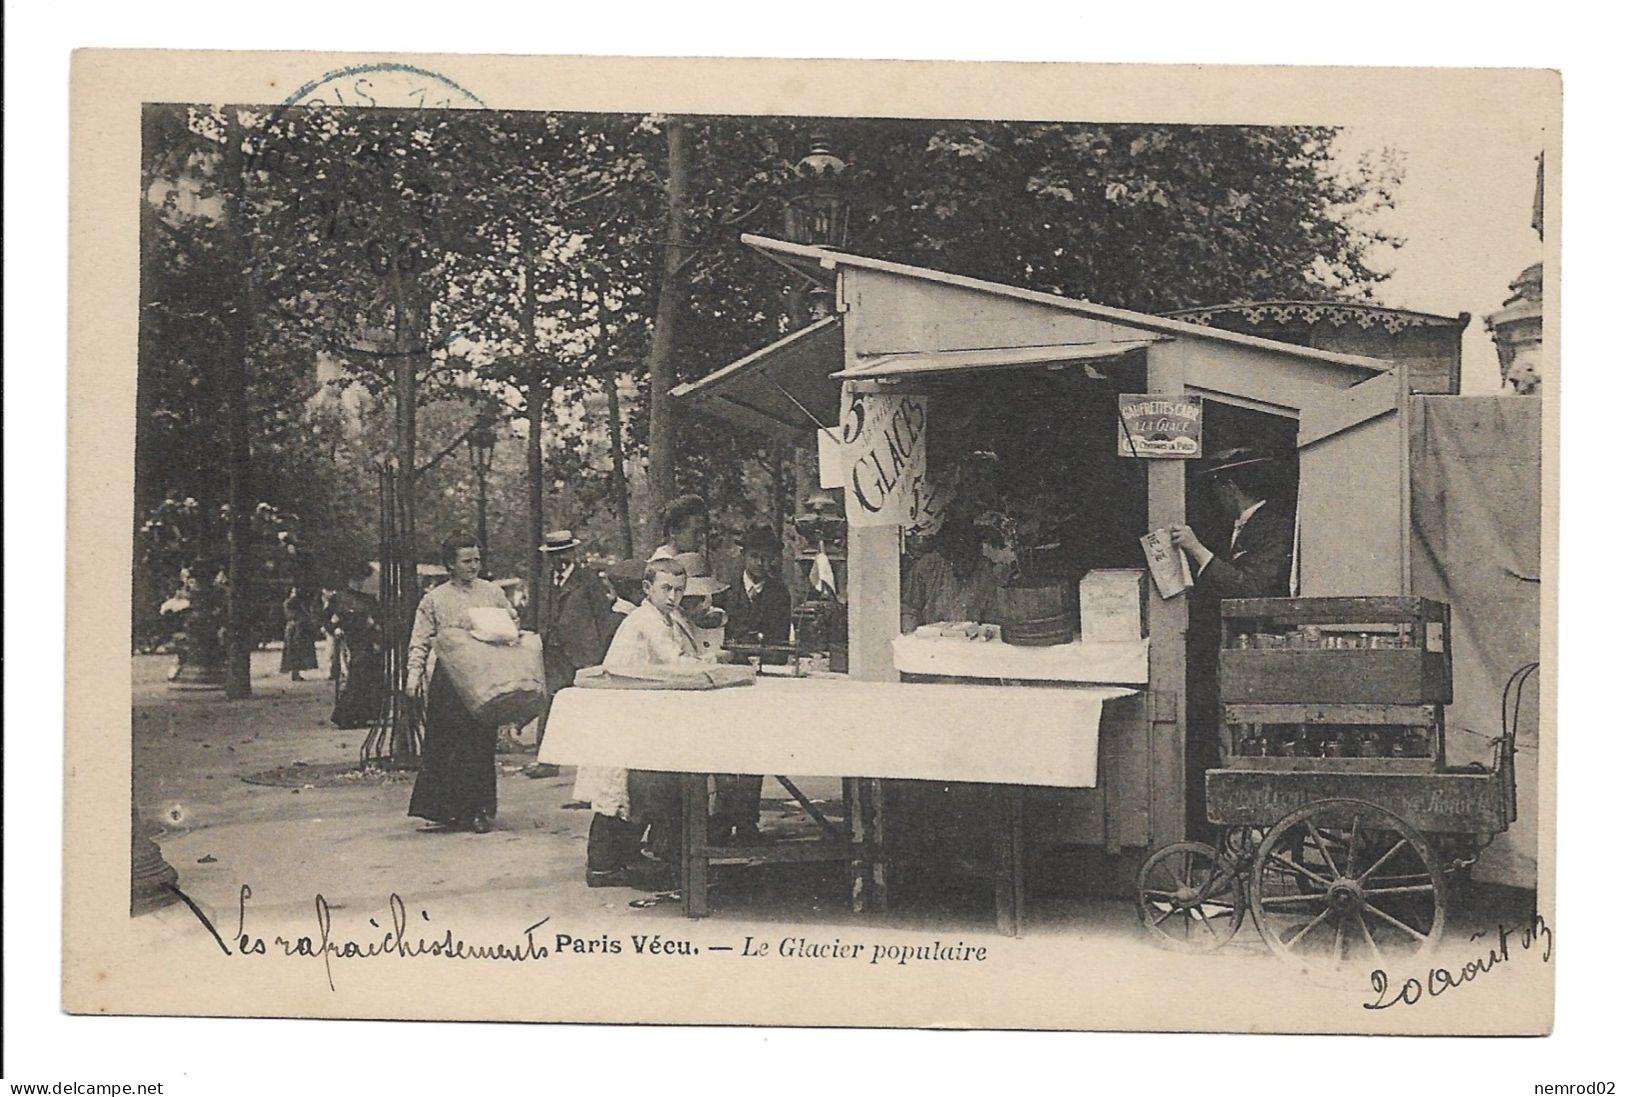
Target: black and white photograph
704,542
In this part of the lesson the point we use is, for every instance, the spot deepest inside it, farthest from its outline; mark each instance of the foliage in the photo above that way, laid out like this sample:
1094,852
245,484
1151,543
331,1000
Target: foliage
518,256
1151,218
182,536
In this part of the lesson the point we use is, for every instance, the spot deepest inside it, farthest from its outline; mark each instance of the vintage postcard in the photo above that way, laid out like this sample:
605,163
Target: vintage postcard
812,543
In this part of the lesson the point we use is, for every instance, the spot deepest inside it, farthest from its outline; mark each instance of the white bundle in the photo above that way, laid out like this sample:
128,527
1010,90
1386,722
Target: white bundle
491,625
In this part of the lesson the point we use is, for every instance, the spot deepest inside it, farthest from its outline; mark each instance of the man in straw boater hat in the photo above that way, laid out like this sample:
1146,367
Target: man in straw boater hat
575,620
1256,560
1253,561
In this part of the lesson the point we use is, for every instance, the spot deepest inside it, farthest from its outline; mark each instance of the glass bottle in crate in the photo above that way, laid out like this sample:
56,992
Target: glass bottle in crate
1412,744
1373,743
1251,744
1278,741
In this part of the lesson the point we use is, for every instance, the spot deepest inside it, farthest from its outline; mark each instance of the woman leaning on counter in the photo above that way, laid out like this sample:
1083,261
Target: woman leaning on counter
457,782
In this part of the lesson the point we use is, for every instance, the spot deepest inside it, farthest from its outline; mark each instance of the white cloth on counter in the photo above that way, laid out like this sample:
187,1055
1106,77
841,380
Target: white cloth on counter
1080,661
833,727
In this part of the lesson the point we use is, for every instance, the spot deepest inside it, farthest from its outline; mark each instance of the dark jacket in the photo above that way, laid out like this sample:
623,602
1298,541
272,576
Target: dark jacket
1260,563
1258,566
768,614
576,623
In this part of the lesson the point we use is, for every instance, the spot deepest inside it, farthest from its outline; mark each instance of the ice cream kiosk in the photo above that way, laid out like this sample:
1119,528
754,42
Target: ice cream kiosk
930,388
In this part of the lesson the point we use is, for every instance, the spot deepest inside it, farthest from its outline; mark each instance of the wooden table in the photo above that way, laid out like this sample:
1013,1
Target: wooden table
867,732
859,842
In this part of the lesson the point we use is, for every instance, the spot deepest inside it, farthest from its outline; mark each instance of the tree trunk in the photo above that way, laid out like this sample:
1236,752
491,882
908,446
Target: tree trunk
535,466
782,509
406,442
662,350
619,495
238,317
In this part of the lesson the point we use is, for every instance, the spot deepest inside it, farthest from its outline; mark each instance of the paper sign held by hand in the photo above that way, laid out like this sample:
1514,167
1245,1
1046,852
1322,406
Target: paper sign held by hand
1169,566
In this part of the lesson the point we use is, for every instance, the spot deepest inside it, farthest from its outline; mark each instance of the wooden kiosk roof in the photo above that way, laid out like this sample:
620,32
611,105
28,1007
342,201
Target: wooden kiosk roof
929,322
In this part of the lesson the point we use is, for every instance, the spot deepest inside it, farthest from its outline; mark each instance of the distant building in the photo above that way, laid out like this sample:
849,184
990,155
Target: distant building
1428,343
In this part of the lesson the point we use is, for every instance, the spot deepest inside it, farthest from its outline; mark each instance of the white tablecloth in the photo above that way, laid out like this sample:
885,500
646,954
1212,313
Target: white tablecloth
838,728
1115,663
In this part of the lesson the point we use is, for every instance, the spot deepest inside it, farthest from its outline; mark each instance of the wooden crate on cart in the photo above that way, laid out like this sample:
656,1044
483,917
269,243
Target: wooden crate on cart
1334,685
1382,650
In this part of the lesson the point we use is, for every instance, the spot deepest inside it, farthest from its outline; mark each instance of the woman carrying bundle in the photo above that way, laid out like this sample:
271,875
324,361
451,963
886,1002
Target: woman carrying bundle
457,781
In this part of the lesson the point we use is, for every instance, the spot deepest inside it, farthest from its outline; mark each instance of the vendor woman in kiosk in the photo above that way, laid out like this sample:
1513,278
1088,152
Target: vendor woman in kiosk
955,581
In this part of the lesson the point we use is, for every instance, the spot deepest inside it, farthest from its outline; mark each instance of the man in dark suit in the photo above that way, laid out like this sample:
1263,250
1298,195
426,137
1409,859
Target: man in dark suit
575,619
758,608
758,604
1254,561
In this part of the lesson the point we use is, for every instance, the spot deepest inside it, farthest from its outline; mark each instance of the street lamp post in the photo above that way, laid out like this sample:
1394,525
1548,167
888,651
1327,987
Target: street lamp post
482,444
816,212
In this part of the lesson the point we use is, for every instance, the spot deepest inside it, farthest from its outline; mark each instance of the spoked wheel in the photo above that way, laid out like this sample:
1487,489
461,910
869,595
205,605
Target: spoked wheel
1190,897
1240,843
1343,886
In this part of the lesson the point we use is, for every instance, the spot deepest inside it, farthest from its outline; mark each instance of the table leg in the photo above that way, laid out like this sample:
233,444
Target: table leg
877,846
1010,896
856,792
695,857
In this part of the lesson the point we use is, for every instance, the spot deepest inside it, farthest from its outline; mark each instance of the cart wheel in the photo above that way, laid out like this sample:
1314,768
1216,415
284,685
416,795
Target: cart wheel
1190,897
1342,886
1239,844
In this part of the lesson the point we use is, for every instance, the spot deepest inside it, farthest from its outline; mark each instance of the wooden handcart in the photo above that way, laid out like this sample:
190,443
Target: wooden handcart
1340,824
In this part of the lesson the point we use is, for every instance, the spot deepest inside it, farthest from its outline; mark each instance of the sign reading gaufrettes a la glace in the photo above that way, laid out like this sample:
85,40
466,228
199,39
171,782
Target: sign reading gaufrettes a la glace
1149,425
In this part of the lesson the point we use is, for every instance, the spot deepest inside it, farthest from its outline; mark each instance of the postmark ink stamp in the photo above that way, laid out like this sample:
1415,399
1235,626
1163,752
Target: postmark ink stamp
354,218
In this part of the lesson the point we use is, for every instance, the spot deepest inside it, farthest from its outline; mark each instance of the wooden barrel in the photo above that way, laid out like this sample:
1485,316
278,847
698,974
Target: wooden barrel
1037,616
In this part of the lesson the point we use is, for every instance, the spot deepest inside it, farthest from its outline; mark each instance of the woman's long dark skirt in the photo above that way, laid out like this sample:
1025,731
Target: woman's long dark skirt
458,776
360,695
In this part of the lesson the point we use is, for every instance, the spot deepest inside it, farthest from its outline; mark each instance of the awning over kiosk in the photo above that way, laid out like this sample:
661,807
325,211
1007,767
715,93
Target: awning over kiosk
898,366
898,322
779,389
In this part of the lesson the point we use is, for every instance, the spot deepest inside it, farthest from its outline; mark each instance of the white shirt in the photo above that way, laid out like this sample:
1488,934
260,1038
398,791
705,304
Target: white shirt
753,587
562,577
647,637
1235,532
1241,520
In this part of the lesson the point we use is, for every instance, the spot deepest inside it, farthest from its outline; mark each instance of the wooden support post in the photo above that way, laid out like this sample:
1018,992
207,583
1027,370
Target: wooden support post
1010,882
695,857
1168,620
873,608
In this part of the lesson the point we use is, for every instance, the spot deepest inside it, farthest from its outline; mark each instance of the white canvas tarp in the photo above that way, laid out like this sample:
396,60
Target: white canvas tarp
1475,535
